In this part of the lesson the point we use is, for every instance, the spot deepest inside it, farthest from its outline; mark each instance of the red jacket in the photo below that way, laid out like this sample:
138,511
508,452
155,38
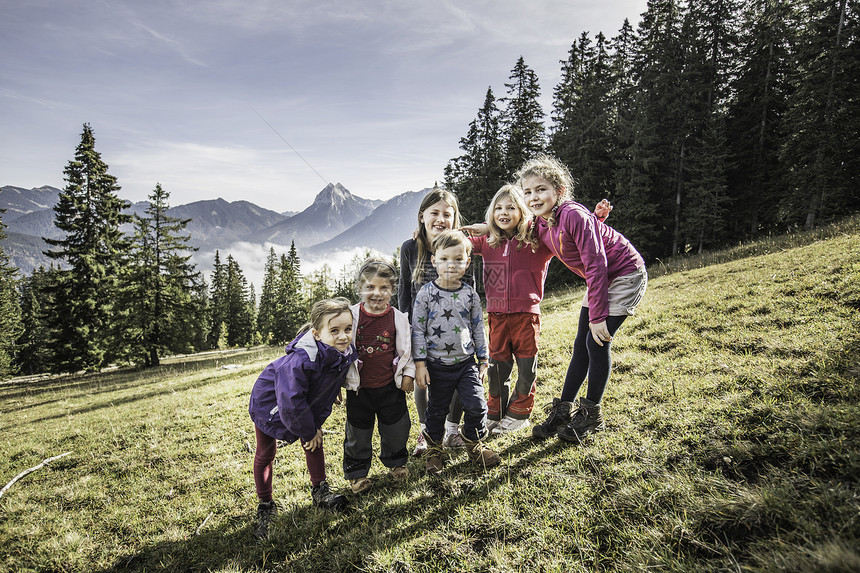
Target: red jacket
513,278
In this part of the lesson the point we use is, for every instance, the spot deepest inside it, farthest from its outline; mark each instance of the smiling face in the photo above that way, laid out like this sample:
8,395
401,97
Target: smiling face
337,331
506,215
376,294
450,264
436,218
541,196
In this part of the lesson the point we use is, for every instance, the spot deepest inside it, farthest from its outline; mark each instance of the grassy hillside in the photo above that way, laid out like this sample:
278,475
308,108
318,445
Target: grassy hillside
733,444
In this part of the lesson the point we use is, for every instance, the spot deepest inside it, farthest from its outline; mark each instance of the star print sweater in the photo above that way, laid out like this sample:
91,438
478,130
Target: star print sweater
448,325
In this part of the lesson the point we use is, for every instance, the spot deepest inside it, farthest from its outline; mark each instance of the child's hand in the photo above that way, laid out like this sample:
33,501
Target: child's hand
339,398
407,384
422,377
316,442
599,332
602,209
476,230
482,370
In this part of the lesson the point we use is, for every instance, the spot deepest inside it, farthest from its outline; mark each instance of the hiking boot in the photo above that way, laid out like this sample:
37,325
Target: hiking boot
266,511
400,473
454,441
508,425
326,499
559,415
481,456
435,456
358,485
587,419
420,446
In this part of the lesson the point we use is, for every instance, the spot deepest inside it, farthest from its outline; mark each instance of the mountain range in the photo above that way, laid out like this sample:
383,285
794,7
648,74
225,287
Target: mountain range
336,224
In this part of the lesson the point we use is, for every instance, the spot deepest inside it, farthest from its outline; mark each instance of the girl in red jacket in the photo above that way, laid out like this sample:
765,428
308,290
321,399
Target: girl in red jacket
514,275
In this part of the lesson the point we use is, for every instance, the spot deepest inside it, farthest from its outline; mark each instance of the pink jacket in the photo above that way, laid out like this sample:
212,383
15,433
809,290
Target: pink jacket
593,250
513,278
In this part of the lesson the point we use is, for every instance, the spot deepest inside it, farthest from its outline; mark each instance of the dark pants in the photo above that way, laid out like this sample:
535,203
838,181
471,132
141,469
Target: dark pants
589,360
444,381
388,405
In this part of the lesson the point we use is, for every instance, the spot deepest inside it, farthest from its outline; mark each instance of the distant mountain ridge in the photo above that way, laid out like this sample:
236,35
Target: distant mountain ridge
335,222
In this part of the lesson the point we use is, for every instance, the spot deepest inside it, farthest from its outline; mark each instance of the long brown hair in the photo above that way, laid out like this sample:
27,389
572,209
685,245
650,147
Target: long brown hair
421,239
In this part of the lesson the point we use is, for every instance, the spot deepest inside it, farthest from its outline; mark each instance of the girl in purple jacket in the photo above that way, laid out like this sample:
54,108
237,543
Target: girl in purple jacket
293,397
615,278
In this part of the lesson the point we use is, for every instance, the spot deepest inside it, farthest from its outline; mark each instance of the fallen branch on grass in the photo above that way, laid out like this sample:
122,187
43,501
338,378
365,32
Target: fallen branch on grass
196,533
29,471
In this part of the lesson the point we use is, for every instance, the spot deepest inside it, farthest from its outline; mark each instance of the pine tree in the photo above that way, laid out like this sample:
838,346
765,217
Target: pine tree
10,310
35,341
582,132
162,283
822,117
90,212
268,298
217,301
756,175
239,315
522,117
290,310
476,175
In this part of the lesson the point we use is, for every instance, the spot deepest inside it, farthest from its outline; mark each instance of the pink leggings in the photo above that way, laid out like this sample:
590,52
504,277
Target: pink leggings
267,446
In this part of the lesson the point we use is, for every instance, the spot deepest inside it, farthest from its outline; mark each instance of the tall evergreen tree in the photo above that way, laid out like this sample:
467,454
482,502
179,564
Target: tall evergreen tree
34,344
239,315
268,298
217,301
162,283
476,175
756,176
522,117
822,117
10,310
290,311
582,126
90,213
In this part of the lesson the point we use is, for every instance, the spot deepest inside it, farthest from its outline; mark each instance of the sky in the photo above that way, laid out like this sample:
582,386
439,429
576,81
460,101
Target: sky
268,100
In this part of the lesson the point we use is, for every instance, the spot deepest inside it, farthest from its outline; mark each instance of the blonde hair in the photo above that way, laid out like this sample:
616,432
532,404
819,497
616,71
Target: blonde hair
549,168
325,308
496,234
421,239
452,238
375,267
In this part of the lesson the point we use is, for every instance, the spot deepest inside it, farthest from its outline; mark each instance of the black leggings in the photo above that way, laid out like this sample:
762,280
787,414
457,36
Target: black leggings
589,360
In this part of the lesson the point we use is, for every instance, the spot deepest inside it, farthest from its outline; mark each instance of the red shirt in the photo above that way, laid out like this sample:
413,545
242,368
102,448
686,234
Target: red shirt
376,348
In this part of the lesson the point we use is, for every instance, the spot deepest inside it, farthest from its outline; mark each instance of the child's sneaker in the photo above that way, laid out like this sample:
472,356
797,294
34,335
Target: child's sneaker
508,425
399,473
559,415
420,447
266,511
454,441
325,498
481,456
358,485
492,425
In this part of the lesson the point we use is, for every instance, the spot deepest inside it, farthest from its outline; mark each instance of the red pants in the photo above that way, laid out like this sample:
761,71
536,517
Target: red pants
267,446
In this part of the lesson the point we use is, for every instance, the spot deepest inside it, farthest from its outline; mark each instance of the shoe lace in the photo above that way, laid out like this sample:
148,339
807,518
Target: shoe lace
553,410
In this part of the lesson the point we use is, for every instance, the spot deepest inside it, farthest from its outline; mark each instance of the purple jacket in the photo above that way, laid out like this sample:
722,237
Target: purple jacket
294,395
513,278
593,250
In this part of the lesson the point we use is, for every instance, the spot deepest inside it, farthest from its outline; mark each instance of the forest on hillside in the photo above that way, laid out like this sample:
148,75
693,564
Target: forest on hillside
712,122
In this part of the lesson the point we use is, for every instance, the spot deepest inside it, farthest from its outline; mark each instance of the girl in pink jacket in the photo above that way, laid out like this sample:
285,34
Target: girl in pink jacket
615,278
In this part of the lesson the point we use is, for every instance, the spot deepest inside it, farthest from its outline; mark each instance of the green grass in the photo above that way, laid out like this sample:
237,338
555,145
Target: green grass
733,444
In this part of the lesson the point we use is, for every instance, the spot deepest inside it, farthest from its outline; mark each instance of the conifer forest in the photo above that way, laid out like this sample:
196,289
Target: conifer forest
711,123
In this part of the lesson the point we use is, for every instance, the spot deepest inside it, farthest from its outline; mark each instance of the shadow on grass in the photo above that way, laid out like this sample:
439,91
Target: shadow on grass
306,539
